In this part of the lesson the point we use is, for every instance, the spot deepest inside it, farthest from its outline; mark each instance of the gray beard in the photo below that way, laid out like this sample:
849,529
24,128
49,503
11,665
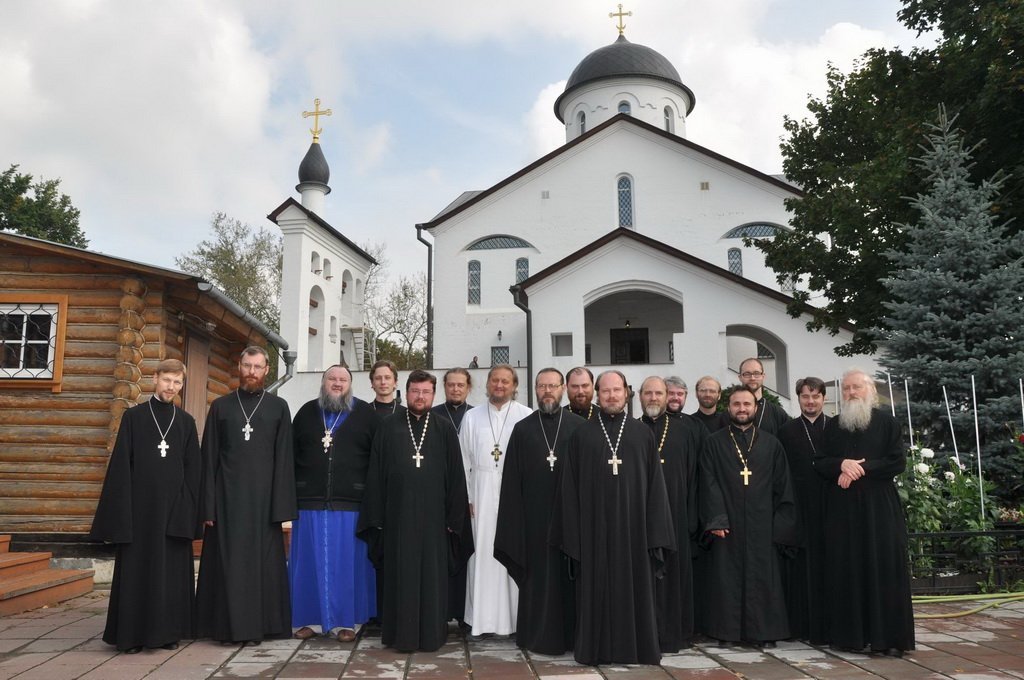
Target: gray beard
856,415
329,402
549,407
653,412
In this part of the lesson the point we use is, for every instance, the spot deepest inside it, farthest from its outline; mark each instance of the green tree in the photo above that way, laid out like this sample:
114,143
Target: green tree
957,310
244,262
387,349
38,209
852,155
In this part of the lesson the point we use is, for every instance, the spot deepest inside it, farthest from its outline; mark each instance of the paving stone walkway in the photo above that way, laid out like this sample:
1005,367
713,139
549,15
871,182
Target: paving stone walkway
63,642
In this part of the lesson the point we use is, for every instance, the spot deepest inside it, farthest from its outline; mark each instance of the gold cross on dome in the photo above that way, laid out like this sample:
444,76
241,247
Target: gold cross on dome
620,14
316,113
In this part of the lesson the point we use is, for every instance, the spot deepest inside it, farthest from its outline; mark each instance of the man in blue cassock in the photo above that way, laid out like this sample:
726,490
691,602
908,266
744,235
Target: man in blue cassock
333,583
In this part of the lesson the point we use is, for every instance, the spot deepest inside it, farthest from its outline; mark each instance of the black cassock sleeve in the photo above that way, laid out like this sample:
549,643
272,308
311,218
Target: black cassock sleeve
370,527
182,522
713,514
113,520
283,506
564,530
784,525
510,533
210,469
460,530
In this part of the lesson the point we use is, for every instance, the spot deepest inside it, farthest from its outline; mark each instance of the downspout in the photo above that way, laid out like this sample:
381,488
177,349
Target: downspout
430,294
522,301
275,339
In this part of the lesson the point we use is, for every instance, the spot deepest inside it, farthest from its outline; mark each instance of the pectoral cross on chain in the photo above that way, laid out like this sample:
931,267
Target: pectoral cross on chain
745,473
496,453
327,440
551,458
163,448
615,461
247,431
417,457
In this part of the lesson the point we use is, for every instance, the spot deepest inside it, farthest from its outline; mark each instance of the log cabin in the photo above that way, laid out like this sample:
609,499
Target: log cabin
80,336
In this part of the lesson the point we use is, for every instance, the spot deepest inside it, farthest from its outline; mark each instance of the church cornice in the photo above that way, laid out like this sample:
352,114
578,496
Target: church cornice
320,222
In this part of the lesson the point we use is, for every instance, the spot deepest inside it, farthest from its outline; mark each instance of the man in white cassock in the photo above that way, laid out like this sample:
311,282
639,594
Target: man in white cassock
491,595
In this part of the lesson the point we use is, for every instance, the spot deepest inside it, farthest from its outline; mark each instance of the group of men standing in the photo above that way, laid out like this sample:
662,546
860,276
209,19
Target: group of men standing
576,528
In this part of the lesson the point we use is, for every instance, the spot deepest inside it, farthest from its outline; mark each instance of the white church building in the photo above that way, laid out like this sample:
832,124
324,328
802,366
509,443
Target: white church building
623,248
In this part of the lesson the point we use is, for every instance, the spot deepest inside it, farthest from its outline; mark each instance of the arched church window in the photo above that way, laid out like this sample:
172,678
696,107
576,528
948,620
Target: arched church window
522,269
668,119
582,120
473,284
625,189
736,261
625,108
754,230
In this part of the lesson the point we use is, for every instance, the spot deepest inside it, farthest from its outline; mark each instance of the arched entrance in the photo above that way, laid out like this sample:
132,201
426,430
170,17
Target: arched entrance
632,323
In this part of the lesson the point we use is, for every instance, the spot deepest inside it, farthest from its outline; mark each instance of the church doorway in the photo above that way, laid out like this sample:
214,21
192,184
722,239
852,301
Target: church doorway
630,346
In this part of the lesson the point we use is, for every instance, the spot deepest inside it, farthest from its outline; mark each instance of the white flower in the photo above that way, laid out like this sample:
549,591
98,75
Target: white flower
927,453
949,476
922,468
962,467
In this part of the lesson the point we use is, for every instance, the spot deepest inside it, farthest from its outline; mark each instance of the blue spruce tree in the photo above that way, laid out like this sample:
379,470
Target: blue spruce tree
957,310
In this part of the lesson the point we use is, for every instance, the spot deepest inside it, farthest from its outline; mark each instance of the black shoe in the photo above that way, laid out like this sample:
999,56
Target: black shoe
894,653
252,643
170,645
767,644
133,650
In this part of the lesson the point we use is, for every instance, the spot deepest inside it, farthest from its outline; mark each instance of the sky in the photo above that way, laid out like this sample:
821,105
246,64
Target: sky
155,115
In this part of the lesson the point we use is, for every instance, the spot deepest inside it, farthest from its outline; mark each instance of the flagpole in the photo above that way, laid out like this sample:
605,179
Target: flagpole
977,439
910,424
952,433
892,402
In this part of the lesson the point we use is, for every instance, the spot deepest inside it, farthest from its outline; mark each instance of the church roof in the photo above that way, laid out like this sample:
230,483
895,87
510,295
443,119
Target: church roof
518,290
313,167
469,198
323,224
623,59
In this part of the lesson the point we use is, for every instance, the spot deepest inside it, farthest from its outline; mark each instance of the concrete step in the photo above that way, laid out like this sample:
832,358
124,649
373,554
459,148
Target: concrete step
42,588
14,564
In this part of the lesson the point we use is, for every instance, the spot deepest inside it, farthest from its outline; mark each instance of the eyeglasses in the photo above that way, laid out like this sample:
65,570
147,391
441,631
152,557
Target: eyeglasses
418,393
752,374
709,391
548,387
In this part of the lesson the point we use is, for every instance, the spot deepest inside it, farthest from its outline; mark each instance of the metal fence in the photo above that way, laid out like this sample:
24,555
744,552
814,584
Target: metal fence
960,562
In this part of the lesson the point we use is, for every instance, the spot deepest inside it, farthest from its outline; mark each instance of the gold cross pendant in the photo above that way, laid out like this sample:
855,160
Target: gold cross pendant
496,453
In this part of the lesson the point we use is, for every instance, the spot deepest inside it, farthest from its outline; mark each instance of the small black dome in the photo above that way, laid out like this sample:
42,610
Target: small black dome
622,59
313,167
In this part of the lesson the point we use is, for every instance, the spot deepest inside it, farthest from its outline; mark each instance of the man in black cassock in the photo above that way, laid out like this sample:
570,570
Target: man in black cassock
709,391
384,381
770,417
613,520
867,580
457,385
533,465
747,512
148,510
414,519
679,440
248,491
579,383
804,575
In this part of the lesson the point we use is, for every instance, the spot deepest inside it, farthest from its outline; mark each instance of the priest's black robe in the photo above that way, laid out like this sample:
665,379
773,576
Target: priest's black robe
148,509
587,413
248,491
680,446
770,417
616,528
867,580
389,409
743,596
416,524
804,575
546,611
457,581
713,422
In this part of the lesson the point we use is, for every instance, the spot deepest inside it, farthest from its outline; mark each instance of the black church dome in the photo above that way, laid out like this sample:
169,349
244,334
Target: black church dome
313,167
622,59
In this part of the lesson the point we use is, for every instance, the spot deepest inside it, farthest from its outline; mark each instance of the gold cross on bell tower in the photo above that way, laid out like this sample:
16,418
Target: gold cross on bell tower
620,14
316,113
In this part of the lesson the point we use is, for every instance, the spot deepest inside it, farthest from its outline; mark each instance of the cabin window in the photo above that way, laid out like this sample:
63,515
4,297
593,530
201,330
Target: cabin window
32,339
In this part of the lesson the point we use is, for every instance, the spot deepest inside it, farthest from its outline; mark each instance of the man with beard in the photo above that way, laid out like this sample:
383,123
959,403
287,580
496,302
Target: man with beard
148,510
804,575
413,518
709,391
770,417
333,584
491,595
384,381
248,491
612,519
748,515
679,440
457,385
867,583
534,460
580,390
